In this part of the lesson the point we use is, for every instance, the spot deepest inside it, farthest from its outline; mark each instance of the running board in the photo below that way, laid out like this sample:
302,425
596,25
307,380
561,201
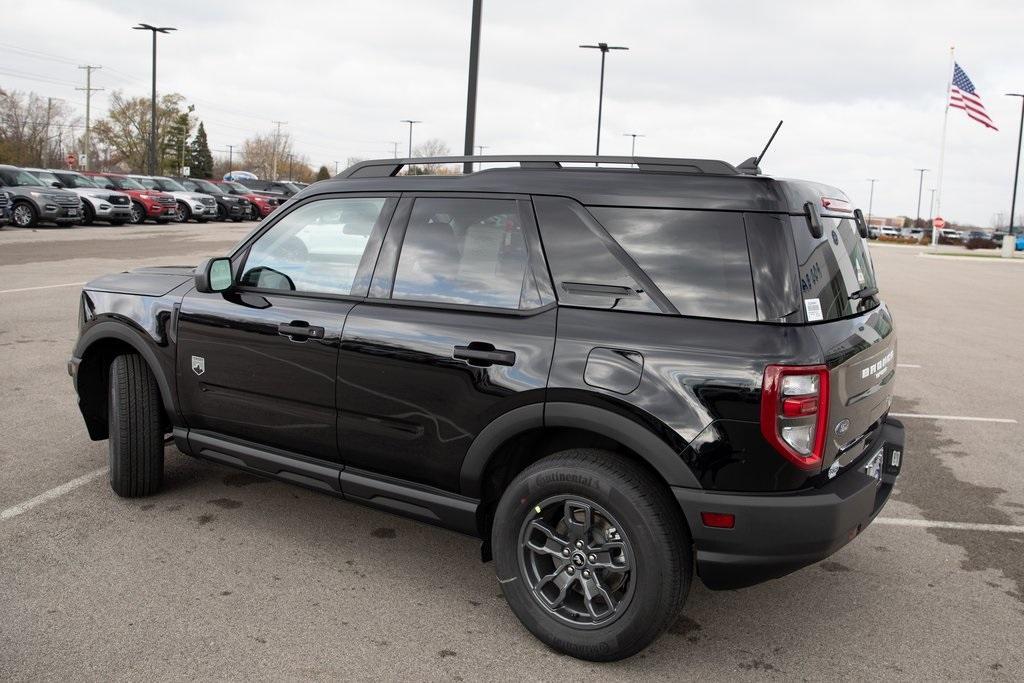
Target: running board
400,497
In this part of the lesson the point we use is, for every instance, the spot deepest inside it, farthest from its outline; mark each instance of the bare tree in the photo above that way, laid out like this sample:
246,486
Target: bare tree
125,131
35,130
259,151
434,147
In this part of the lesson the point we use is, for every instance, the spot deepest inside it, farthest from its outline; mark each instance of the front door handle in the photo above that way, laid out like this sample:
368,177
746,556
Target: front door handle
482,354
298,330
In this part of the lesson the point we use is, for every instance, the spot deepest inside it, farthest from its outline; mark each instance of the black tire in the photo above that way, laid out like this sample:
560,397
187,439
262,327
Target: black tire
183,213
653,541
138,214
88,215
24,215
136,448
222,213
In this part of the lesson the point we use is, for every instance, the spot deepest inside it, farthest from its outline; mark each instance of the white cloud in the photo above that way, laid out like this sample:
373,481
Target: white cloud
860,85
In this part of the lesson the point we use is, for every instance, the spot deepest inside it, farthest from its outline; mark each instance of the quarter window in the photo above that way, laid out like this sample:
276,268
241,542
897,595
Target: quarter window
465,251
315,248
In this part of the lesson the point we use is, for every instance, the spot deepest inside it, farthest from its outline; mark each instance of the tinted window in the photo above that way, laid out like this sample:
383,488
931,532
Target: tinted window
464,251
315,248
832,269
698,259
584,269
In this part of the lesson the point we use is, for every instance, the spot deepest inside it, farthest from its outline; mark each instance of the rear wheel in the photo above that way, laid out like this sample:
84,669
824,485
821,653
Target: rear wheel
88,214
592,553
136,444
138,213
184,213
222,213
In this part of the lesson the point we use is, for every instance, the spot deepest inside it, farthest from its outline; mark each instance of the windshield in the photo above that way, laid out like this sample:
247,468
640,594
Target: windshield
836,273
168,185
125,183
206,186
235,188
75,180
47,177
149,183
17,177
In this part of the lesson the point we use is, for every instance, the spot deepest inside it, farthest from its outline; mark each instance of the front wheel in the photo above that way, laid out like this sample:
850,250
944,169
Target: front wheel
183,213
138,213
592,553
24,215
88,214
136,443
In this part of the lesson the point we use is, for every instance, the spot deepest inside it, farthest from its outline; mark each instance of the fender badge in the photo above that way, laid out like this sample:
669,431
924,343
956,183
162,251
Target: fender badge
840,429
198,365
833,470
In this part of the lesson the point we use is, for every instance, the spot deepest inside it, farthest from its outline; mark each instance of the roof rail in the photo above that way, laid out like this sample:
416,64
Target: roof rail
384,168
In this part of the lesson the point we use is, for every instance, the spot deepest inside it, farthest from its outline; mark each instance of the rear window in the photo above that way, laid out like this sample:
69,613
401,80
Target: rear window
835,271
698,259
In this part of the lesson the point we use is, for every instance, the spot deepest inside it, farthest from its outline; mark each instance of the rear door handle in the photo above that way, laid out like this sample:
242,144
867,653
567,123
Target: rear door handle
482,354
300,330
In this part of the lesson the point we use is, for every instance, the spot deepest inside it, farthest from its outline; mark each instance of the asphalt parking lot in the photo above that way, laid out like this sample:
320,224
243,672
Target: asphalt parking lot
224,575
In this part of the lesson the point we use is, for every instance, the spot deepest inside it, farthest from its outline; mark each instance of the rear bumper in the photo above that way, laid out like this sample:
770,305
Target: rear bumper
776,534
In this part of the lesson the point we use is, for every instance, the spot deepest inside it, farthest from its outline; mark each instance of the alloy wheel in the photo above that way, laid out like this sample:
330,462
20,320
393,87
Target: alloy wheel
137,216
22,215
576,561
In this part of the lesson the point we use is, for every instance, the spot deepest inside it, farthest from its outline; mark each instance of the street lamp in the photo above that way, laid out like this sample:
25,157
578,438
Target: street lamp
632,151
931,205
604,48
920,189
1016,169
410,122
152,126
871,198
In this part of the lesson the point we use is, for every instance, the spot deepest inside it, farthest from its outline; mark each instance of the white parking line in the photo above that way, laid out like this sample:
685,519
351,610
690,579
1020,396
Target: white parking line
965,418
47,496
907,365
32,289
966,526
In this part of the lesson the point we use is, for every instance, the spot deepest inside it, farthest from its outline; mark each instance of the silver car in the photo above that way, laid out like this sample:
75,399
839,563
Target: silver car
98,204
190,204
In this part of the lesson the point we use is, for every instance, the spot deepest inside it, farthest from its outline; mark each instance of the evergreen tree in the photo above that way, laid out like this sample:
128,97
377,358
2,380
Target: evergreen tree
174,146
199,157
323,173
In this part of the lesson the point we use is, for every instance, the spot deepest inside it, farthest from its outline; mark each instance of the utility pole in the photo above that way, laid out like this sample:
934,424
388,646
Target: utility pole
46,138
290,168
410,122
920,190
273,156
604,48
89,90
152,124
632,150
871,199
231,150
394,149
1016,168
480,152
931,206
335,168
474,61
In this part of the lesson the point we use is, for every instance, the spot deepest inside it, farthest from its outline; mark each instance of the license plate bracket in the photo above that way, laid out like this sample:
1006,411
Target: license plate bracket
892,462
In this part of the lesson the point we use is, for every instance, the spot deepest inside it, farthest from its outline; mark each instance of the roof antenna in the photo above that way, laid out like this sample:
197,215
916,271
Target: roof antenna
752,166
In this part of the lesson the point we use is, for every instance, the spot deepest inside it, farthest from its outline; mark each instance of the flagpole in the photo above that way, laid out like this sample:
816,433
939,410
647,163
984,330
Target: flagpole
942,147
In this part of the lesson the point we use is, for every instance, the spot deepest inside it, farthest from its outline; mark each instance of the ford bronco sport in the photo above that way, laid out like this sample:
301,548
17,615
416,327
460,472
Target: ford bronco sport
618,378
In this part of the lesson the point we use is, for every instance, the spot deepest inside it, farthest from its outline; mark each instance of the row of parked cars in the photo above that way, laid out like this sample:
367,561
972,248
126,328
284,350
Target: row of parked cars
31,196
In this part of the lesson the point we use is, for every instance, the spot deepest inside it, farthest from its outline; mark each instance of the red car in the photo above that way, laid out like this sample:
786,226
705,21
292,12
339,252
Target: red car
264,204
146,203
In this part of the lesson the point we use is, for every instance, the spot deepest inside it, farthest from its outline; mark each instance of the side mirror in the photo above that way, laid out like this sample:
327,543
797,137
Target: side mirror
862,225
213,275
109,187
57,184
814,220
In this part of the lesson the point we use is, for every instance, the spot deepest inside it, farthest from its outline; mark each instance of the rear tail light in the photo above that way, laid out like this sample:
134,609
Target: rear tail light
718,520
794,412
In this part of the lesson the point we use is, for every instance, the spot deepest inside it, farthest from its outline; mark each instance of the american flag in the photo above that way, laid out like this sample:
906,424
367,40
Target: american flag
962,95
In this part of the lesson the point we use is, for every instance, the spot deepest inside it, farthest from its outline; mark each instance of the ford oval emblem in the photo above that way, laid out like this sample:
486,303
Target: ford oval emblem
842,426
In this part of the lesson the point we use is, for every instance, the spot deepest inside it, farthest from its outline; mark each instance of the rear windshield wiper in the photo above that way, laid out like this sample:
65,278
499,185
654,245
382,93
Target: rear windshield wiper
864,293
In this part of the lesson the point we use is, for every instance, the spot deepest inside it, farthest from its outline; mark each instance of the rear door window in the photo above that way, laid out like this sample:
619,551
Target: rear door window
698,259
465,251
835,271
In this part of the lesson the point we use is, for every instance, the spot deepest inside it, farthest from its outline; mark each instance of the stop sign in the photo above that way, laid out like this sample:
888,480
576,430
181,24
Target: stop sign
939,223
72,159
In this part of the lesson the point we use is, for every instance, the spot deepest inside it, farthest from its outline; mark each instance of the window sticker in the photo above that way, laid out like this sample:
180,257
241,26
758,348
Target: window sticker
813,308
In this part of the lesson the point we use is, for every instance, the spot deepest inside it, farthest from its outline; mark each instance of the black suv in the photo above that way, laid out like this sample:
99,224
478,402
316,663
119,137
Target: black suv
617,378
228,207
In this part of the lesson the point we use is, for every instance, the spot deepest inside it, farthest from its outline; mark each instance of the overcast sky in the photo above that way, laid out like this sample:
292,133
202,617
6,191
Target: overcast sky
861,86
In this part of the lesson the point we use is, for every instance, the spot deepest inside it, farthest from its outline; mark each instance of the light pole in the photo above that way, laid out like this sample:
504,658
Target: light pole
871,199
632,150
410,122
480,152
920,189
152,125
231,155
474,60
335,168
1016,168
931,206
394,149
604,48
